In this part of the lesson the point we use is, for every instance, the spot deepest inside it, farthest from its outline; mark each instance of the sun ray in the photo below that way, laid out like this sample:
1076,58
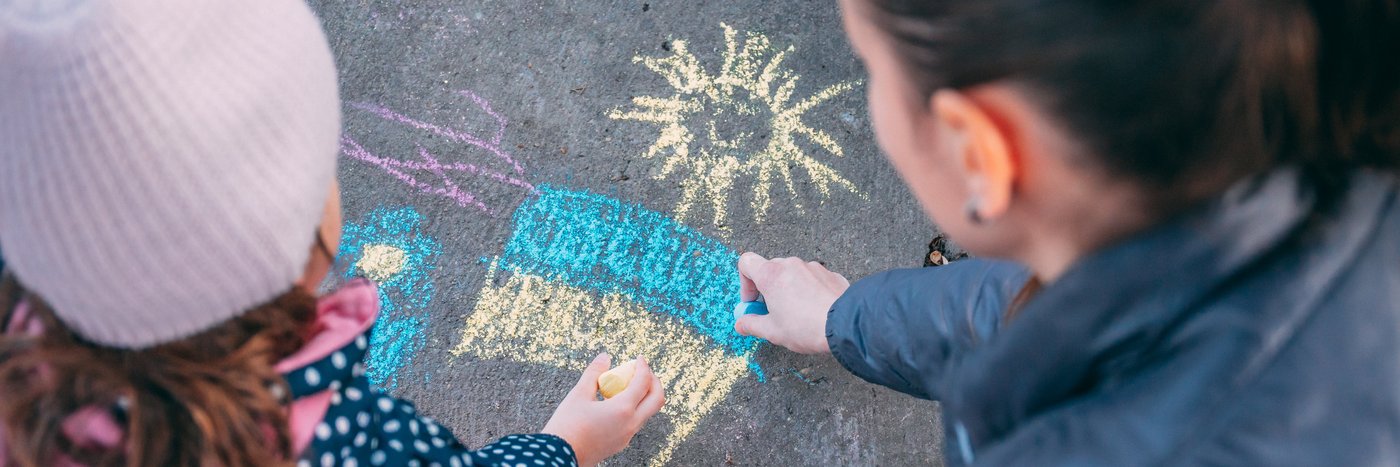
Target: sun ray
762,195
731,52
787,182
647,116
772,72
784,93
820,138
740,122
820,97
673,137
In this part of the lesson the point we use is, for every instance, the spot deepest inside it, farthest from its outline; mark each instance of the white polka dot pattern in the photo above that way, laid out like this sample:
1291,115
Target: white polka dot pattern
364,426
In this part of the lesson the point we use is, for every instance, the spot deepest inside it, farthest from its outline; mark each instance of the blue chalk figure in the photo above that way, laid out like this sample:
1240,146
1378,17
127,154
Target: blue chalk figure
404,291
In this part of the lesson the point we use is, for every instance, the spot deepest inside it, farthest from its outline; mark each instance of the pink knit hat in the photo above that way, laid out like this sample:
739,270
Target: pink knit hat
163,163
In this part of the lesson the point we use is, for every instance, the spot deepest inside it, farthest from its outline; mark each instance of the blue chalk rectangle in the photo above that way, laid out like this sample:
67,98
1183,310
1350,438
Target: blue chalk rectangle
606,245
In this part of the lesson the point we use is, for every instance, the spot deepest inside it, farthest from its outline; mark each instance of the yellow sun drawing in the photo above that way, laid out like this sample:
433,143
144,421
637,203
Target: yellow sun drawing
742,121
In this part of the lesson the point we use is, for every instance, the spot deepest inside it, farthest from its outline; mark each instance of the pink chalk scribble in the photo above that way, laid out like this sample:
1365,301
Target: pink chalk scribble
429,163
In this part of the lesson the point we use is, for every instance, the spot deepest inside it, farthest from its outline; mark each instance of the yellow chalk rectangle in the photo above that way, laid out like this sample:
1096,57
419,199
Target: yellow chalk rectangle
531,319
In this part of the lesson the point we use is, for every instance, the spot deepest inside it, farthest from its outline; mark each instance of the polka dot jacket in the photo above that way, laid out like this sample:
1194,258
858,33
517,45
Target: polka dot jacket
366,427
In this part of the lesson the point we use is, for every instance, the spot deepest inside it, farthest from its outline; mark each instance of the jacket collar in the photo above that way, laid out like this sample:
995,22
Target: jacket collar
342,316
1110,308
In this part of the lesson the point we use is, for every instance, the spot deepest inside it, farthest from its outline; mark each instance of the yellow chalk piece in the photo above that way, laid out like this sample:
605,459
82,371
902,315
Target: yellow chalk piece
380,262
612,382
533,320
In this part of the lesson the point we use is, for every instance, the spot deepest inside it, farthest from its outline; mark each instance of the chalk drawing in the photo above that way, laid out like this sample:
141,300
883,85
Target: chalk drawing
707,127
390,248
531,319
584,272
429,165
599,243
381,262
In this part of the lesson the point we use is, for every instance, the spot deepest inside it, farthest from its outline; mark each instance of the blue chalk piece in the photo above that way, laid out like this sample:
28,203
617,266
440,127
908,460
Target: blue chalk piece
749,308
755,308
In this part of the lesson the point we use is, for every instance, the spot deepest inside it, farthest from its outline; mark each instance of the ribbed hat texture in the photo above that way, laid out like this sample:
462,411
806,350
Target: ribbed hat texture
163,163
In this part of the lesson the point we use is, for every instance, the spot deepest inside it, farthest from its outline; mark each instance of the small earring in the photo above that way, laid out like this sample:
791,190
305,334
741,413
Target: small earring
973,209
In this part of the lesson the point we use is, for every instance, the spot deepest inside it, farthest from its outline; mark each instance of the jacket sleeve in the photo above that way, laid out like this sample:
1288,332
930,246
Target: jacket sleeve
519,449
374,428
900,328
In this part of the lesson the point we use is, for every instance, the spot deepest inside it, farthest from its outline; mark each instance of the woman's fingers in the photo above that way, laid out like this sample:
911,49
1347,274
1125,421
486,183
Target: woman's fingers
754,326
834,280
842,281
749,267
798,293
828,278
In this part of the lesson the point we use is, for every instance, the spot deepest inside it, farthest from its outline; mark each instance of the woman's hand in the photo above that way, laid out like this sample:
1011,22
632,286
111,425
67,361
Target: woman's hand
798,295
599,429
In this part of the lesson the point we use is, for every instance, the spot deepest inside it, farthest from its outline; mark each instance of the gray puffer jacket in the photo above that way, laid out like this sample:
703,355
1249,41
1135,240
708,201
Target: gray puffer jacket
1263,329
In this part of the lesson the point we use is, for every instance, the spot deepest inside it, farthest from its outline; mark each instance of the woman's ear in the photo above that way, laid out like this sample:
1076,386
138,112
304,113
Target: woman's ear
984,152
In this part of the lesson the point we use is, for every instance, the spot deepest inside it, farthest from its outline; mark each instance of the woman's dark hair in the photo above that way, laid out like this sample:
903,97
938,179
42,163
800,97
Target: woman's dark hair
1185,97
211,399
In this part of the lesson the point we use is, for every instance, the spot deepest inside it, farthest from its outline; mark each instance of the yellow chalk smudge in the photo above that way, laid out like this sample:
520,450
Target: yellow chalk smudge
379,262
530,319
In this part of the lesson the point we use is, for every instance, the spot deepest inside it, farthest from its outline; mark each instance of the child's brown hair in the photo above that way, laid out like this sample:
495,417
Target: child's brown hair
211,399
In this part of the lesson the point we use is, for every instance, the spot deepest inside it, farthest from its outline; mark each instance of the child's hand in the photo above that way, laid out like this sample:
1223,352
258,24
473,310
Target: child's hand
599,429
798,296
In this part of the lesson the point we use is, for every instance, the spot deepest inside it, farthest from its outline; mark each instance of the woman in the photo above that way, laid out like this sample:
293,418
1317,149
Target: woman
1204,199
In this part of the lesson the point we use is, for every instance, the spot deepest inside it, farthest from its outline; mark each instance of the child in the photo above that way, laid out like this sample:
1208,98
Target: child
1202,203
164,181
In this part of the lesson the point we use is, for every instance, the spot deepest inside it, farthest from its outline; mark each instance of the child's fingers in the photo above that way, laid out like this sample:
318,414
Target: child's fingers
652,403
748,266
638,387
588,383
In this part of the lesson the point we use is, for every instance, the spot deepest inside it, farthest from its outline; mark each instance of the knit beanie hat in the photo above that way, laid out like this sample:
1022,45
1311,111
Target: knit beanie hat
163,163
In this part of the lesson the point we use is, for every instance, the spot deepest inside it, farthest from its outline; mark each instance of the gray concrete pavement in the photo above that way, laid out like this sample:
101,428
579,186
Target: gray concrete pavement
484,86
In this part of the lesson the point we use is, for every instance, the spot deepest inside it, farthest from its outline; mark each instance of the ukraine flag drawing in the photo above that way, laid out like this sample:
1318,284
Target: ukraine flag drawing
584,272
